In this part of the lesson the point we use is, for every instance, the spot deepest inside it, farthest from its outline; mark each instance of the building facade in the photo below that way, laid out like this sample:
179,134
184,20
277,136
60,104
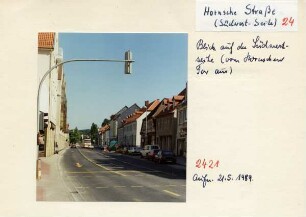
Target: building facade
52,100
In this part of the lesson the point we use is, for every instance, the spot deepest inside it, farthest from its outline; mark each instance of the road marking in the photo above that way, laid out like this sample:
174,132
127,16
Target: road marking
136,165
87,176
170,185
119,186
102,187
101,165
172,193
137,186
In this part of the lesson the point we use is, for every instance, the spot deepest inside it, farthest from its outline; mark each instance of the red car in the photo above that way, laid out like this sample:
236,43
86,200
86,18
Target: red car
152,153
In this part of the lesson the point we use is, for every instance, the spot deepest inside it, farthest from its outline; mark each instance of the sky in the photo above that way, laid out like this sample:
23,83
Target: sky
96,90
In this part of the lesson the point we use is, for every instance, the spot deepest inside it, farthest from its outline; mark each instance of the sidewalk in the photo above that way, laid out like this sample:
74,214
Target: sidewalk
51,187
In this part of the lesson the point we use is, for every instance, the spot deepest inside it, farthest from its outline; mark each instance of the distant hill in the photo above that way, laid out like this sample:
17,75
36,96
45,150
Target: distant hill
85,132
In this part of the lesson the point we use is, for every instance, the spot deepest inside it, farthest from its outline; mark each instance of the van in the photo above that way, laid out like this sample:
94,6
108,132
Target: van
147,149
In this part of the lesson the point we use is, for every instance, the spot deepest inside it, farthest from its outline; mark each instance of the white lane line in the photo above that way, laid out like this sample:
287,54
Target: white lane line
101,165
170,185
120,186
172,193
102,187
149,169
136,186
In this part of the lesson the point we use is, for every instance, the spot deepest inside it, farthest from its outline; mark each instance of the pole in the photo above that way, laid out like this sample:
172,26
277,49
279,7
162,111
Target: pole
146,137
48,72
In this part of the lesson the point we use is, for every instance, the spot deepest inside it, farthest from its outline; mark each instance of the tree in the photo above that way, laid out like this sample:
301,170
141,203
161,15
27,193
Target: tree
74,136
94,133
106,121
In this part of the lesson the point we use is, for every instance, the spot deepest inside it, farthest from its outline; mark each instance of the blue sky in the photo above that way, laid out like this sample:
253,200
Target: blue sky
96,90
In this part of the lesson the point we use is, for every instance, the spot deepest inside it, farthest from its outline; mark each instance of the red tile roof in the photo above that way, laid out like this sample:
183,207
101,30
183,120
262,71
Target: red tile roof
153,104
46,40
133,117
178,98
170,105
104,128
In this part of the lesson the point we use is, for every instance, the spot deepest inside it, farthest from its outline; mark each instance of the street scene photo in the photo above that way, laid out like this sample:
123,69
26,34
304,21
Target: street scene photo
111,117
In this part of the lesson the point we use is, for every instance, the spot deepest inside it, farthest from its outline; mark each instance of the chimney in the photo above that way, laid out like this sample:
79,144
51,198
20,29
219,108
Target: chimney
146,103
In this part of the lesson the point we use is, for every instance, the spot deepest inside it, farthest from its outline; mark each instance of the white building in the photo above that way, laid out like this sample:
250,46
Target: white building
132,125
51,93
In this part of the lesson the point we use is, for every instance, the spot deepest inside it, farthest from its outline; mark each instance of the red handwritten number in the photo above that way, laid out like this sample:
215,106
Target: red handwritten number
211,164
216,164
204,164
288,21
198,163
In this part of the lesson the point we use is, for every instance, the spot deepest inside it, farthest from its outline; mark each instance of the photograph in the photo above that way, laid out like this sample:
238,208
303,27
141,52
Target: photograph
111,117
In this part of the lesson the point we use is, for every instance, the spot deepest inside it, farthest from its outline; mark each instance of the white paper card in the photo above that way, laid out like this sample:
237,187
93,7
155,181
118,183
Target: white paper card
246,16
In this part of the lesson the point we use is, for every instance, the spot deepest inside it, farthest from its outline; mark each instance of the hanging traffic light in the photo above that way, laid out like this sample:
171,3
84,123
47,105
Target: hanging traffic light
128,62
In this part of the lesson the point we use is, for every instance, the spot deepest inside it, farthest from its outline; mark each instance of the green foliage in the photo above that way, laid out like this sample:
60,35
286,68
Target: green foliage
94,133
75,136
105,121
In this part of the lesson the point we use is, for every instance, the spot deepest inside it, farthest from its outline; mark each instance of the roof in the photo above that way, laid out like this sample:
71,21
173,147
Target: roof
178,98
183,92
153,104
133,117
46,40
104,128
115,116
170,105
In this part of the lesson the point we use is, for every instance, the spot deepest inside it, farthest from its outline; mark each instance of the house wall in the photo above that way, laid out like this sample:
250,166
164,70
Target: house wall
166,130
182,130
50,98
120,135
106,137
130,134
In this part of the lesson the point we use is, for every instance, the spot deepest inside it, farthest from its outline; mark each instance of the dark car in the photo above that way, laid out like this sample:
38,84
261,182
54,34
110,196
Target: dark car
73,145
165,157
152,153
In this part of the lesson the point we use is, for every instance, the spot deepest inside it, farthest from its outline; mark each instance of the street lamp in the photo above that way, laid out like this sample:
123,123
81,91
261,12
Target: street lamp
127,70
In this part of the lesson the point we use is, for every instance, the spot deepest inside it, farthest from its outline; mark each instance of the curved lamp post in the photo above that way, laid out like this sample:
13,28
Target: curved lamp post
128,70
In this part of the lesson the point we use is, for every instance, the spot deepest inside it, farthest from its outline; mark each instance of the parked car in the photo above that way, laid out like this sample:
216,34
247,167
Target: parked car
91,147
134,150
152,153
73,145
147,149
164,156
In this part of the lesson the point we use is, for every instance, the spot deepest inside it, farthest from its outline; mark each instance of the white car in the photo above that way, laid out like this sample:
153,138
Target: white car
147,149
134,150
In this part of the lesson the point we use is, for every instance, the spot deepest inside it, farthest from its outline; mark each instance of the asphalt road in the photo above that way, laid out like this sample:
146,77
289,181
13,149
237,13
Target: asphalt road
93,175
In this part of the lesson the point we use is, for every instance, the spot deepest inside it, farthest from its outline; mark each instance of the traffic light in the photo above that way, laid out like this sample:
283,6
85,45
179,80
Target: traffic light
128,63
